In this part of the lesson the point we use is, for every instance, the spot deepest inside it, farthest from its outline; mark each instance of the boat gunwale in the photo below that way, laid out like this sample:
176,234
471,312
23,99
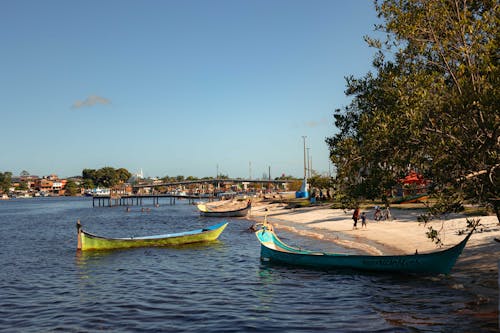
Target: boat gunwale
281,246
211,228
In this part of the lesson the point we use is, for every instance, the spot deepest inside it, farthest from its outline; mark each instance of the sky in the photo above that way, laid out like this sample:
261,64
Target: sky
176,87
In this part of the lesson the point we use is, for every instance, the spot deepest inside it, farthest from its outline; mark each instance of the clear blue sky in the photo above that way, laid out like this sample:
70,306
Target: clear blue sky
176,87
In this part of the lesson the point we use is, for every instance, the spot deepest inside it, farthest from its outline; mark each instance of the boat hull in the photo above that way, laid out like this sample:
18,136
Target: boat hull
94,242
441,262
231,213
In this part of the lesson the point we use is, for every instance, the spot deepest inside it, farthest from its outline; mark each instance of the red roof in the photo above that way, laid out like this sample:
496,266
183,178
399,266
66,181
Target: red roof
413,178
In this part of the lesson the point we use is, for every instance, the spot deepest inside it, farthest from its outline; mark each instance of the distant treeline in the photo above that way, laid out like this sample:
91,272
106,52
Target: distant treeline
105,177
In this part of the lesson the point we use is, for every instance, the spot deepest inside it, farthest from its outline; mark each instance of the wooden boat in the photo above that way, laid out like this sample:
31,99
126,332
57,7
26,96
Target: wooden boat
88,241
240,212
412,199
441,262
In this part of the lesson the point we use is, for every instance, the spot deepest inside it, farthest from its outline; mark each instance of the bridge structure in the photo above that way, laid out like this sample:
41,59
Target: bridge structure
214,181
116,199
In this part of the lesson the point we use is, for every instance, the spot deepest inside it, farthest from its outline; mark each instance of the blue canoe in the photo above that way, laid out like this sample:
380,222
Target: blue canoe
440,262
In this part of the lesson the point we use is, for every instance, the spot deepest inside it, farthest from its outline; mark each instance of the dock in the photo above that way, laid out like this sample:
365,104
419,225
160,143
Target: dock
139,199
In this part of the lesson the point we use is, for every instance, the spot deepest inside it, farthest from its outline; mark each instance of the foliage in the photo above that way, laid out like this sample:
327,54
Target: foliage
320,182
88,183
346,203
433,234
5,181
471,224
23,186
105,177
295,185
432,103
71,188
285,177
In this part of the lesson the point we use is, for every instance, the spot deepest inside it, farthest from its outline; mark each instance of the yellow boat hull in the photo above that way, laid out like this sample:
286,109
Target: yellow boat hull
88,241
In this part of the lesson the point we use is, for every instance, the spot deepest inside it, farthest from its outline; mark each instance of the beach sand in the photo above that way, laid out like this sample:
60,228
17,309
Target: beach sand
476,270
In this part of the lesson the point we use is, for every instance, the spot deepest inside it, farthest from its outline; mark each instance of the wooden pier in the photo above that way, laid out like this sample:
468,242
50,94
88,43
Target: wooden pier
139,199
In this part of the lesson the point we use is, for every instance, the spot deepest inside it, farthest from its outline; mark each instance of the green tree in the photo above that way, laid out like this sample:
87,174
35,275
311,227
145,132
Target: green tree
105,177
71,188
123,175
321,182
23,186
87,183
295,185
5,181
432,106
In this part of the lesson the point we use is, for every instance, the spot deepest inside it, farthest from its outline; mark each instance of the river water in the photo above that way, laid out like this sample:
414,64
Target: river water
46,286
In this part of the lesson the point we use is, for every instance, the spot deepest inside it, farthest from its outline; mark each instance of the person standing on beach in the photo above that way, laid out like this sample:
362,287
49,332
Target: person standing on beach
355,217
363,220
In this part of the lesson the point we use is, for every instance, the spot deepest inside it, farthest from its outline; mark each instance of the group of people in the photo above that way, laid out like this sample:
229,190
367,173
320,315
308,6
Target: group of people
356,216
377,216
319,195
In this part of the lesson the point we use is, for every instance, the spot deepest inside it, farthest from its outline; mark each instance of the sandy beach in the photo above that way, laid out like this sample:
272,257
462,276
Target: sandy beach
476,270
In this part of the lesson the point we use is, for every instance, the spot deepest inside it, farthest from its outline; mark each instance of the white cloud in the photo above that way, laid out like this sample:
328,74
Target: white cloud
91,101
313,123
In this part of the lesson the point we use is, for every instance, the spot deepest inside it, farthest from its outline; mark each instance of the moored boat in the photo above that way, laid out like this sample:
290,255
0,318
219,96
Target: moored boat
440,262
240,212
88,241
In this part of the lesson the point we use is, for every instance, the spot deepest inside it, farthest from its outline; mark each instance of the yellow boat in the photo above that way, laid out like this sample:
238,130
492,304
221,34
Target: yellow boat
88,241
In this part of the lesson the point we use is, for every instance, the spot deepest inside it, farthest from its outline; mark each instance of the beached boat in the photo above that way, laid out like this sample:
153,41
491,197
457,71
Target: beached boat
88,241
240,212
441,262
412,199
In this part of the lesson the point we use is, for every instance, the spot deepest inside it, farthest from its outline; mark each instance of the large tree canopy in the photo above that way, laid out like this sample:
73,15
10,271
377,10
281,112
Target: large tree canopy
431,104
5,181
105,177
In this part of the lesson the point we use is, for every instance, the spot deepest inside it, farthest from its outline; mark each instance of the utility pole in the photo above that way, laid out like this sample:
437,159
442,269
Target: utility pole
305,166
250,170
308,164
217,176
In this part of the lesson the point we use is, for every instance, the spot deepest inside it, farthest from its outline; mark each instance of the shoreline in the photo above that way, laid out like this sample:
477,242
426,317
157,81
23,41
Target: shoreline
476,270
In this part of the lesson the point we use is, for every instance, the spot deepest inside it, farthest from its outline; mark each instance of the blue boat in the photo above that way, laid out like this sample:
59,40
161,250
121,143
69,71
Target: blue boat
275,251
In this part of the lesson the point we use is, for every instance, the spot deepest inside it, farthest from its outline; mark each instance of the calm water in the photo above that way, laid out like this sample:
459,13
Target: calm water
45,286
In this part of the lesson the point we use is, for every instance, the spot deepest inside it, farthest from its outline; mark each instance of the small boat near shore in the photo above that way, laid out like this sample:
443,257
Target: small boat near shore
412,199
440,262
239,212
88,241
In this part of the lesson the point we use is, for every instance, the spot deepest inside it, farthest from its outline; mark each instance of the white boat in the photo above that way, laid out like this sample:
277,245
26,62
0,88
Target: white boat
98,192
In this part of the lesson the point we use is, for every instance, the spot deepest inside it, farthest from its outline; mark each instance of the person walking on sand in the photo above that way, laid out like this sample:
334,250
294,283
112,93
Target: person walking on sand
363,220
355,217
